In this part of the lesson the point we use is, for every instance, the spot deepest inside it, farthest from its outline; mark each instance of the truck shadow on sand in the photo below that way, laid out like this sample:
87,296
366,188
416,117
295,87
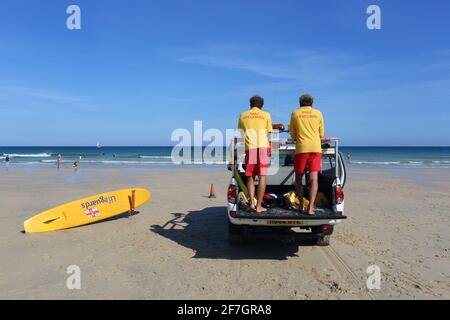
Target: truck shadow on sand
206,232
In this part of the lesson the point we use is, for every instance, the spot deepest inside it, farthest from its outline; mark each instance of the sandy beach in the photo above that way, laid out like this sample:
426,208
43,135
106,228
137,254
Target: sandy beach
176,246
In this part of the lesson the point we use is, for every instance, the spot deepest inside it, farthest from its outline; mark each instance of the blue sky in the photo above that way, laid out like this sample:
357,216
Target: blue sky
139,69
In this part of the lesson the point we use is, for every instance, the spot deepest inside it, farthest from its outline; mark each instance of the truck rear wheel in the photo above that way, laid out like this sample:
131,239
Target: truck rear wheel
234,228
235,239
235,234
323,241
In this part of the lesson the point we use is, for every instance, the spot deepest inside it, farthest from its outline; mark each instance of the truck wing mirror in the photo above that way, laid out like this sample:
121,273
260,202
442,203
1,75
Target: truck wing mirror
278,126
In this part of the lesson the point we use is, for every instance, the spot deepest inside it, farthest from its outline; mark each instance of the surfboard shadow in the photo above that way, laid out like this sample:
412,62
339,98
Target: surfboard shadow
206,232
124,215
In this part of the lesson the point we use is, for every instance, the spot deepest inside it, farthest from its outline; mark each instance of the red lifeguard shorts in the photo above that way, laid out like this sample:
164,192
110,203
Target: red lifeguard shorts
256,162
312,160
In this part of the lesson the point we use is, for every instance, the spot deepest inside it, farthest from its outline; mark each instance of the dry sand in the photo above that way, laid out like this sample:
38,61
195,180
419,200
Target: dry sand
176,247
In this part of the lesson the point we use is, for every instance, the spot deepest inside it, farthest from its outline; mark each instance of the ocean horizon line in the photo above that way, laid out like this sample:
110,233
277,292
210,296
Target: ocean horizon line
166,146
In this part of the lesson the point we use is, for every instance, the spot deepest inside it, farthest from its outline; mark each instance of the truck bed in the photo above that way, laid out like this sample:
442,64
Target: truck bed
282,213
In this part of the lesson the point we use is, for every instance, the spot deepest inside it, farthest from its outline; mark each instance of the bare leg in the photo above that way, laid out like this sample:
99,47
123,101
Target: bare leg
251,191
261,191
314,186
299,188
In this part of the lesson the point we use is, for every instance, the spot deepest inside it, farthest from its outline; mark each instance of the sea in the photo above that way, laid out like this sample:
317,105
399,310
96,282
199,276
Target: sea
356,157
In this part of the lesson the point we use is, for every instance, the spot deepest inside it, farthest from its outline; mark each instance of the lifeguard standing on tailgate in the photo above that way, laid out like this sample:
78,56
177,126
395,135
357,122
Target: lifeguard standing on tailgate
306,130
255,126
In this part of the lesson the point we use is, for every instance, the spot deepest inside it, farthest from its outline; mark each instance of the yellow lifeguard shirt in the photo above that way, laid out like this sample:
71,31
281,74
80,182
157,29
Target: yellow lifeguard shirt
255,124
307,129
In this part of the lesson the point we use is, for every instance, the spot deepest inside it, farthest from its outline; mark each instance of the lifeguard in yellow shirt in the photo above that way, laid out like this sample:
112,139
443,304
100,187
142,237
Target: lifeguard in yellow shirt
255,125
306,130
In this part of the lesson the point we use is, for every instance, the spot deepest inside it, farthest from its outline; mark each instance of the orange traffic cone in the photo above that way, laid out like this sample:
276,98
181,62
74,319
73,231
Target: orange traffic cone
212,193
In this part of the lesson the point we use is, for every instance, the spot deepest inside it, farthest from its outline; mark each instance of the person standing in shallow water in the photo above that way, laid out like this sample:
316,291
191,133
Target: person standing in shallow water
58,160
7,160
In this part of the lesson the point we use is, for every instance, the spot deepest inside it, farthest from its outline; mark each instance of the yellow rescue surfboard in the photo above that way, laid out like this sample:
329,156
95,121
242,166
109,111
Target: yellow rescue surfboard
87,210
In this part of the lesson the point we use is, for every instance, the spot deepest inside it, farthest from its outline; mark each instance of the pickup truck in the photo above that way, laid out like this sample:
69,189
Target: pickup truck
281,220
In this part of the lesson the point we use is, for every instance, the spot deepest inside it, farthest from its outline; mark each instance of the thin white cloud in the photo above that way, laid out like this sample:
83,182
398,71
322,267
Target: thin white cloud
40,97
333,73
343,84
288,70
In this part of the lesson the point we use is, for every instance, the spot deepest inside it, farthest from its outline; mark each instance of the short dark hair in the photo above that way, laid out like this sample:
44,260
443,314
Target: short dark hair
306,100
256,101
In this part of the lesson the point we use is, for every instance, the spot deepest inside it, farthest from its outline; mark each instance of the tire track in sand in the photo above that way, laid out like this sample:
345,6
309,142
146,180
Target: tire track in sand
346,272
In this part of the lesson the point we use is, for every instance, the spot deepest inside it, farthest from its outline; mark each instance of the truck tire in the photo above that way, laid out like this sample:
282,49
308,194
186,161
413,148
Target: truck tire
235,239
323,241
234,228
235,234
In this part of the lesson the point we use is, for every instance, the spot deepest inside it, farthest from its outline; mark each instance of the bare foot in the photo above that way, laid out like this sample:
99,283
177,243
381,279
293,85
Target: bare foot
261,210
311,210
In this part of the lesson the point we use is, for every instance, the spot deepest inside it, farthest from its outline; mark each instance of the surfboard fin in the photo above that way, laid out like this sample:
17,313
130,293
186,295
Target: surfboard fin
132,201
131,204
